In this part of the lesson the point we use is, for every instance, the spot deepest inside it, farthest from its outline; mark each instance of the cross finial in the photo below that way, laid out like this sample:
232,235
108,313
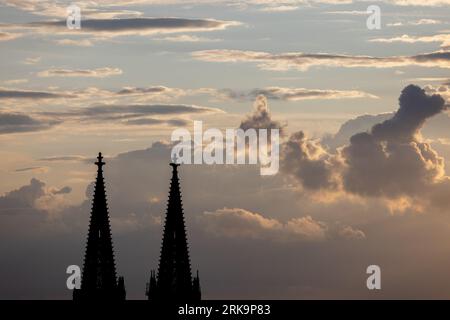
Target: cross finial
100,163
174,162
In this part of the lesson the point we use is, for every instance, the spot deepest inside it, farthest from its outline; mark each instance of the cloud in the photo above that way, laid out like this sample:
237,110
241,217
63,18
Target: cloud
351,233
391,160
240,223
279,8
294,94
135,114
303,61
153,92
386,158
152,122
415,23
308,162
15,81
32,60
77,42
359,124
261,117
434,129
33,169
64,190
94,73
444,39
428,3
64,158
30,94
349,12
33,198
127,111
17,122
187,38
6,36
126,26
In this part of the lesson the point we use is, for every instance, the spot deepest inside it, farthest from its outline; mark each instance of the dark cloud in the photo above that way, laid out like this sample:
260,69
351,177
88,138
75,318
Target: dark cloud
353,126
93,73
133,26
308,162
260,118
150,122
23,199
34,198
415,108
64,190
391,160
137,90
17,122
387,157
33,169
28,94
293,94
137,110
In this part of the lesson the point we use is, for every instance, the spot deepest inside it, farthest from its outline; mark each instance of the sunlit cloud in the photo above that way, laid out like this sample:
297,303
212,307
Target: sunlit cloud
303,61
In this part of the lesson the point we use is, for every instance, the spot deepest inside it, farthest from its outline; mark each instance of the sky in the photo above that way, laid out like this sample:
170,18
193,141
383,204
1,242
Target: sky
364,173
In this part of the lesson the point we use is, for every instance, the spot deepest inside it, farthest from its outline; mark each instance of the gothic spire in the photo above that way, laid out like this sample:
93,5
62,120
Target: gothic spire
174,280
99,280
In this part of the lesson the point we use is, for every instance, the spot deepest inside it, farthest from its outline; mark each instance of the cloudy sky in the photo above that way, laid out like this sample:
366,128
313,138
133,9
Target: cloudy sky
364,171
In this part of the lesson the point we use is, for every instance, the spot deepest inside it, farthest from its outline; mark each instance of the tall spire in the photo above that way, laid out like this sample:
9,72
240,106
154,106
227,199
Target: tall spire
99,281
174,280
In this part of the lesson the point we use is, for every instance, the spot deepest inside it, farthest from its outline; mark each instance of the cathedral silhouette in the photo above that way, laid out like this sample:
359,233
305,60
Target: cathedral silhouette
173,282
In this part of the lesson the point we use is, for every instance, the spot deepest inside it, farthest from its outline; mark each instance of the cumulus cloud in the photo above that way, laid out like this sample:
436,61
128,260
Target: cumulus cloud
241,223
308,162
33,198
386,158
392,160
94,73
303,61
17,122
351,233
261,117
351,127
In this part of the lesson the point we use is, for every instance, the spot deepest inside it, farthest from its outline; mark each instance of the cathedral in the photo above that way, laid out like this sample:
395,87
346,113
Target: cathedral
172,282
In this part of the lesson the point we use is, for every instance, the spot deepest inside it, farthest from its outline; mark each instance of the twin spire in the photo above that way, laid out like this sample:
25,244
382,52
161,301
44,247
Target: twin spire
174,281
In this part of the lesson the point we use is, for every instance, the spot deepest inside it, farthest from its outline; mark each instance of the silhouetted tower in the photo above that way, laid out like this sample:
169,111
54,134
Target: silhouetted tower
174,281
99,281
